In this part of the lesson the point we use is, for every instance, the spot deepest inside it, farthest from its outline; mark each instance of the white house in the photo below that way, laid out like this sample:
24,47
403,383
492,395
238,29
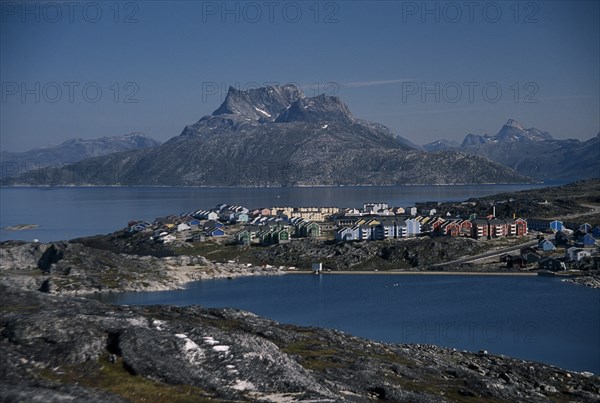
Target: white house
575,254
183,227
413,227
168,238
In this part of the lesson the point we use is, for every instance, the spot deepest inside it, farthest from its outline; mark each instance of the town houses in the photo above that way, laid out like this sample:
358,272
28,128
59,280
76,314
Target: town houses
262,226
369,229
566,249
308,213
375,221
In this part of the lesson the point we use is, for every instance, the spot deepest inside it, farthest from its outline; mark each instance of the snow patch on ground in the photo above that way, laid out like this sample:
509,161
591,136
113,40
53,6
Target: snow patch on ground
263,112
192,351
210,340
243,385
140,322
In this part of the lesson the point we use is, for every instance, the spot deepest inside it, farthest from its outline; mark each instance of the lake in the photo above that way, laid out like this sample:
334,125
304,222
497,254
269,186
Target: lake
71,212
533,318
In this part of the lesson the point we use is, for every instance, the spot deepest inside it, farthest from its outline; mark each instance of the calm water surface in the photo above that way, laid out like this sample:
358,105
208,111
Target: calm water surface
534,318
65,213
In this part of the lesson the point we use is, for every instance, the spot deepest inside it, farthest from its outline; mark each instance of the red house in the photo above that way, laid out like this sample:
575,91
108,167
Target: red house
480,229
465,227
521,226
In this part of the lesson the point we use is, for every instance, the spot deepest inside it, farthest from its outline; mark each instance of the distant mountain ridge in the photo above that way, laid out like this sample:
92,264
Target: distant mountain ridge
532,152
71,151
276,136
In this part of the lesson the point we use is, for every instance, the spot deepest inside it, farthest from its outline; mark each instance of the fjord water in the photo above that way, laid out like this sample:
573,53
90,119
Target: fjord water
71,212
534,318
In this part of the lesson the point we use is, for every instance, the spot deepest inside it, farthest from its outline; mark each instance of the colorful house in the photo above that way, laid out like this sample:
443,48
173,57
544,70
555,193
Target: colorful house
576,254
193,222
281,236
586,241
556,225
215,232
521,225
243,237
242,217
183,227
545,245
480,229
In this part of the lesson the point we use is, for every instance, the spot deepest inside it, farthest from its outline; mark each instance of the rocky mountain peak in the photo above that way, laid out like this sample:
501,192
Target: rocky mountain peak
513,131
322,108
473,140
514,123
259,104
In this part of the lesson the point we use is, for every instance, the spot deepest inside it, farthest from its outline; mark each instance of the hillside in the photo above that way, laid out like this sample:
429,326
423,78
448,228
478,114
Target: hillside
71,151
532,152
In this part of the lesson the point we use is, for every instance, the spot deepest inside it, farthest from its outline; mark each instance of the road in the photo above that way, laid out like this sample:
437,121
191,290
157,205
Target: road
594,209
486,255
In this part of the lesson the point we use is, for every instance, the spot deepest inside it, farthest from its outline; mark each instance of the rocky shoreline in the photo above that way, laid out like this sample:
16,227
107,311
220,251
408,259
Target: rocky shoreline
592,281
74,269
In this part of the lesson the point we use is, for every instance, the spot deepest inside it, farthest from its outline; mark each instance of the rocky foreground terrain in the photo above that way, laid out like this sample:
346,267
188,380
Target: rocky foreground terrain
55,346
64,348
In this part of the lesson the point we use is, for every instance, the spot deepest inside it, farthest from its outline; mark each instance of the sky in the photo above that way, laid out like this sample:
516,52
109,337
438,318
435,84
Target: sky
427,70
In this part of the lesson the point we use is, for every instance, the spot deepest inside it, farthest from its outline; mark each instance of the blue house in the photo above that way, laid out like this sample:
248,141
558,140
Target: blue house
193,221
596,232
211,223
215,232
586,241
545,245
556,225
585,228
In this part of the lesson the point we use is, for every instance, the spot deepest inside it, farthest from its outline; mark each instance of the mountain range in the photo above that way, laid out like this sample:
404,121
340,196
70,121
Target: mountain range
276,136
532,152
71,151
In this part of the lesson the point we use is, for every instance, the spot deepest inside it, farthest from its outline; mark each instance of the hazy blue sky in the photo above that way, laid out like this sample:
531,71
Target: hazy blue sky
427,70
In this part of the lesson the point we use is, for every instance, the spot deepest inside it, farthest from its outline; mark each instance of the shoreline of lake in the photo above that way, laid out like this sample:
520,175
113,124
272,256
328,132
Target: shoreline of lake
420,273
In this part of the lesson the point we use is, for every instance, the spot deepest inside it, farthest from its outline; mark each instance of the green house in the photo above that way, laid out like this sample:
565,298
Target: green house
281,236
312,230
243,237
264,237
